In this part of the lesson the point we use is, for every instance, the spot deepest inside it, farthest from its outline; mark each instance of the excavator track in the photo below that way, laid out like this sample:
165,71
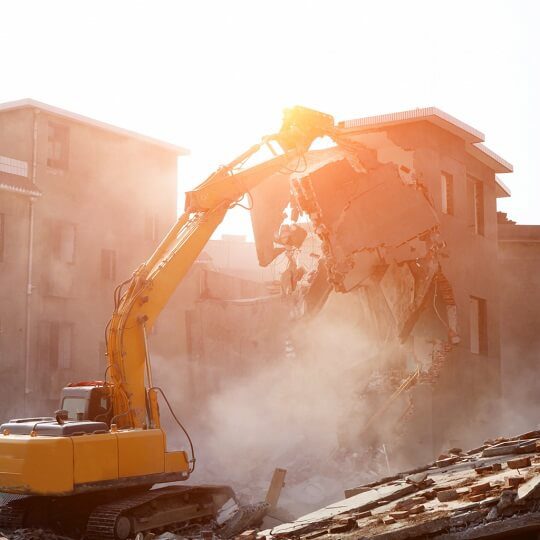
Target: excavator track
103,521
155,509
12,515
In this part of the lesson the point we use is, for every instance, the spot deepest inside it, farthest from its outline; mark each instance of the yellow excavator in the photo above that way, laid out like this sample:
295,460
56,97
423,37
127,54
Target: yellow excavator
95,461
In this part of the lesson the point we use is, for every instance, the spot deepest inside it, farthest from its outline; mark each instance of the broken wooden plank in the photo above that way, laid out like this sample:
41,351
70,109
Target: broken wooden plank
276,485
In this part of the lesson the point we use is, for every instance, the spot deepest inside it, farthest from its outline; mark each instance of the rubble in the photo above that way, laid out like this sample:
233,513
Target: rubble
475,496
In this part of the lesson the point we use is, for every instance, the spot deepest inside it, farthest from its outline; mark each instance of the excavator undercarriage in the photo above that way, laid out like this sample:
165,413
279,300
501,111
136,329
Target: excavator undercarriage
121,514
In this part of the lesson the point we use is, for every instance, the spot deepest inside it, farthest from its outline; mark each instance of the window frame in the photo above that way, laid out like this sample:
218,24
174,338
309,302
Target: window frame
58,136
478,326
108,264
2,236
447,194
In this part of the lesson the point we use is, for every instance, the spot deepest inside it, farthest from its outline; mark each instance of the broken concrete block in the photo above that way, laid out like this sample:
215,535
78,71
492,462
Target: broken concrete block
416,478
355,491
447,495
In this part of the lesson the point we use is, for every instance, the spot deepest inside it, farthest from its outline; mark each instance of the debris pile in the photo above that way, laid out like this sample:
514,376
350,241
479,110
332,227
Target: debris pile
493,490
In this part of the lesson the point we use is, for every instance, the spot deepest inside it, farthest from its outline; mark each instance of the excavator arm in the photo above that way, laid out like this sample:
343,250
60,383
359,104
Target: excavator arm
154,282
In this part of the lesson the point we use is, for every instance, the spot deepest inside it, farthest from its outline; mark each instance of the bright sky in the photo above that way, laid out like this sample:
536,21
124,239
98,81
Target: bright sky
214,76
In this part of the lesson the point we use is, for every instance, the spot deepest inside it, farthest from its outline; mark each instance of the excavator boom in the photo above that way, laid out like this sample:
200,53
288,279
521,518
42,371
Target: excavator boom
154,282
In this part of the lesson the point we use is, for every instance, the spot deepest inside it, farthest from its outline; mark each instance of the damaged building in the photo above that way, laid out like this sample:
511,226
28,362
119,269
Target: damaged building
404,208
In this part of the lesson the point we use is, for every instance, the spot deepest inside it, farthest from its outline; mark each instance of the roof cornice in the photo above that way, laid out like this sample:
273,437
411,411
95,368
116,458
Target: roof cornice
445,121
31,103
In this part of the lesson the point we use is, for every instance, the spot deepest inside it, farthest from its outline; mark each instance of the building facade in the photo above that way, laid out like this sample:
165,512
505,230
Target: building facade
519,271
458,175
82,204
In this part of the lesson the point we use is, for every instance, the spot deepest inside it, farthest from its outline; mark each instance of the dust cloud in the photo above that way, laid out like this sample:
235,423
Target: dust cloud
301,412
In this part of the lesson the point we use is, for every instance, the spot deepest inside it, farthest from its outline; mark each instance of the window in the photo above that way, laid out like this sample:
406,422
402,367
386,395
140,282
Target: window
479,207
58,146
13,166
108,264
447,193
75,406
2,236
64,241
478,324
151,231
55,344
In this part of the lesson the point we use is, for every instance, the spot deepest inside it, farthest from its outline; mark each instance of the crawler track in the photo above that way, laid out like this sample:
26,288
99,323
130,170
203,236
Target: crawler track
12,515
107,516
154,510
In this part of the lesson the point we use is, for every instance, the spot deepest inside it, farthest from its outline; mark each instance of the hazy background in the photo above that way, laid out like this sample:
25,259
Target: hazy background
214,76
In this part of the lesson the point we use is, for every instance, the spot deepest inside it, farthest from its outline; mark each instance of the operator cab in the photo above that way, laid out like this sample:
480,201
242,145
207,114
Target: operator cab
85,408
87,401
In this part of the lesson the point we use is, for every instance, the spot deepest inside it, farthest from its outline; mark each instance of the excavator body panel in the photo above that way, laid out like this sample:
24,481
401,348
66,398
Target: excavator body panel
34,464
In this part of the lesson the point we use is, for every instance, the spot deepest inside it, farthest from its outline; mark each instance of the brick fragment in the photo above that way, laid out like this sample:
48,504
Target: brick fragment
480,488
362,515
477,497
417,509
446,462
485,469
447,495
419,500
513,481
315,534
399,515
342,524
388,520
497,466
519,463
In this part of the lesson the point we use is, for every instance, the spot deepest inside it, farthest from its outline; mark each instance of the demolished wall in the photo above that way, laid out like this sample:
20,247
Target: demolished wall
375,203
